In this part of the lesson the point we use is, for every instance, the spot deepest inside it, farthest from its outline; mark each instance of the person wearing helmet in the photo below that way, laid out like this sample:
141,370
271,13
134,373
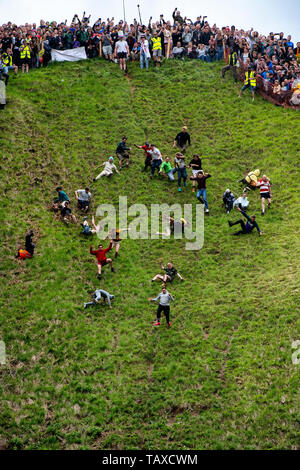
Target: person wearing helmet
109,168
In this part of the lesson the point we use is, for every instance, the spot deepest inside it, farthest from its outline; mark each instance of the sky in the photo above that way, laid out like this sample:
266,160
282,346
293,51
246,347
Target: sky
263,15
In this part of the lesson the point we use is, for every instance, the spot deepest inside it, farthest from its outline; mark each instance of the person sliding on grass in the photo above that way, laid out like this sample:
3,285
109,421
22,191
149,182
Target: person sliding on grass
175,226
29,247
164,305
265,192
248,227
114,235
101,257
171,272
202,194
166,165
60,200
228,200
148,157
109,168
66,214
98,294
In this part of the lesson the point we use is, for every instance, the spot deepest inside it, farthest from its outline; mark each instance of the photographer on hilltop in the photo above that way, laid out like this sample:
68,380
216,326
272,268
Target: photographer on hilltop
176,17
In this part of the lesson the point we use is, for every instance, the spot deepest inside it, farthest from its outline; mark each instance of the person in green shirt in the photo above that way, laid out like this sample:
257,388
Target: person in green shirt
166,165
170,273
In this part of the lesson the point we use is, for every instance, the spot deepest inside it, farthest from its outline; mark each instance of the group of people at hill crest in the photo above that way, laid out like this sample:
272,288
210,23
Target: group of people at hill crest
154,160
274,57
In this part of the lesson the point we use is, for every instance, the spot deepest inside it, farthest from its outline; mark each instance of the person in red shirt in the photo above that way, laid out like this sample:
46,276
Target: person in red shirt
265,192
147,149
101,257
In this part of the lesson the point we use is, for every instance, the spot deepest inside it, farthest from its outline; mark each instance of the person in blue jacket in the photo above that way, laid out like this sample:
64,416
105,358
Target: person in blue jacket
245,227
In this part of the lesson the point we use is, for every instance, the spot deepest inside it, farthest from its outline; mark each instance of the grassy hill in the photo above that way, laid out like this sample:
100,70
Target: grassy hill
222,377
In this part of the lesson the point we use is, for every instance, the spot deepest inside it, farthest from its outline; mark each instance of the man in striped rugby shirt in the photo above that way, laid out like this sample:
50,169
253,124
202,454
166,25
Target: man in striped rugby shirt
265,192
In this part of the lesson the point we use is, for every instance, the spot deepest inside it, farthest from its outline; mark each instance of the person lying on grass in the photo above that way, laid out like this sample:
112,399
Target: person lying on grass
170,271
101,257
166,165
66,214
98,294
164,305
29,247
109,168
245,227
175,226
114,235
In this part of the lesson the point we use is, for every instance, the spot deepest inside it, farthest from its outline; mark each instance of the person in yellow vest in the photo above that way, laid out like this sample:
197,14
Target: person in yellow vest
156,48
250,82
232,65
7,60
25,55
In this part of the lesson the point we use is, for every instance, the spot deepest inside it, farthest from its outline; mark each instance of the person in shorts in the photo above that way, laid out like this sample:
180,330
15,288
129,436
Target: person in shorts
156,48
170,273
265,192
122,152
107,46
122,52
101,257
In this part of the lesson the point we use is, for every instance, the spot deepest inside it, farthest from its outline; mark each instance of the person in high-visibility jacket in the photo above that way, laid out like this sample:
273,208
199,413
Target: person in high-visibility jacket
156,48
250,82
25,56
7,60
232,65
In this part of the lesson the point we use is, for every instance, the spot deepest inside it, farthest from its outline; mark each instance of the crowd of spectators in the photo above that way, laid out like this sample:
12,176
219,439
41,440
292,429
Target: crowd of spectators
274,57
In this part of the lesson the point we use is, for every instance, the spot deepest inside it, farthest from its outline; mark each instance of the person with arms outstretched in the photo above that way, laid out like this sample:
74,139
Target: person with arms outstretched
164,305
170,271
245,227
101,258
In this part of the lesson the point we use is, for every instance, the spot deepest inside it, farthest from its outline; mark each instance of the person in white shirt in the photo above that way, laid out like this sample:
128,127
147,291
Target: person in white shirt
84,198
241,202
156,159
145,53
109,168
122,51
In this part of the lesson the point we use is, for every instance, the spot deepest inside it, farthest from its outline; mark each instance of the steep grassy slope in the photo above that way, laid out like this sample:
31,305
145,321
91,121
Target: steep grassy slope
222,377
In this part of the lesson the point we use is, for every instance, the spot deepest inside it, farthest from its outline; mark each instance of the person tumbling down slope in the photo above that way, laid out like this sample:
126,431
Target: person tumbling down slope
98,294
101,257
109,168
245,228
170,271
164,305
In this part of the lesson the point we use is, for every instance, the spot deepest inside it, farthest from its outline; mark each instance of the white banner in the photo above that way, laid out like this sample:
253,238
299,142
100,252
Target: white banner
70,55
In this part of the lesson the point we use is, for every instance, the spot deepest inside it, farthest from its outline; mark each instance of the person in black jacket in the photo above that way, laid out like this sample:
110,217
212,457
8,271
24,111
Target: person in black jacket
245,227
182,139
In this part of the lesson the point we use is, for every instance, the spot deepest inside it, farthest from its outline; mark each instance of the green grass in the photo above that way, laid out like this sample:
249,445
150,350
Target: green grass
222,377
